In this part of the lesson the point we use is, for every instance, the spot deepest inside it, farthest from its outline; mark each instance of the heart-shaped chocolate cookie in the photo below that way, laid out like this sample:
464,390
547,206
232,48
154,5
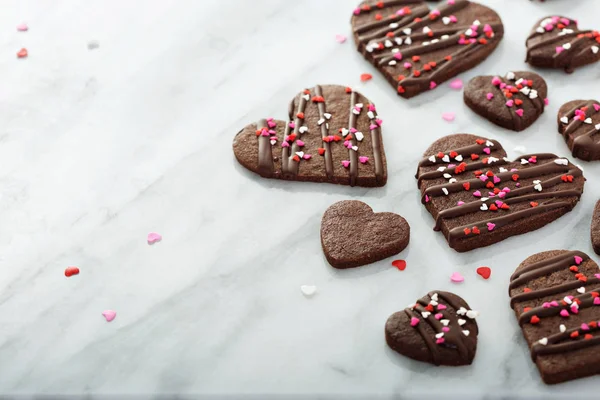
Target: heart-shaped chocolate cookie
478,197
557,42
417,49
556,298
513,102
353,235
439,328
579,123
334,135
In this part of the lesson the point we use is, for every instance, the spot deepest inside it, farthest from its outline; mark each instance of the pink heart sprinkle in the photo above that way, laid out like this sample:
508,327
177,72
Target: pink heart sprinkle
502,195
597,301
491,194
499,203
372,107
271,124
506,190
510,103
477,193
451,165
363,159
564,313
22,27
460,203
547,101
496,81
373,127
414,321
491,226
597,107
502,85
379,121
445,329
574,309
307,156
340,38
453,17
490,96
456,84
435,12
440,341
300,143
346,163
457,277
407,65
487,28
398,56
585,327
285,144
483,178
519,112
546,305
154,237
432,85
597,276
496,179
441,307
438,316
109,315
292,125
578,260
487,150
353,130
449,116
559,49
554,303
533,160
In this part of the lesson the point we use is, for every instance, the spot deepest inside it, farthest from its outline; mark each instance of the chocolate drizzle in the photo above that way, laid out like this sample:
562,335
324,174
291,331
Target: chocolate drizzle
288,165
328,156
580,134
351,152
265,155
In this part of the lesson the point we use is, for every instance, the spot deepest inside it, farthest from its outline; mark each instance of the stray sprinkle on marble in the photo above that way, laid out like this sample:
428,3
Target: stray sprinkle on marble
308,290
109,315
154,237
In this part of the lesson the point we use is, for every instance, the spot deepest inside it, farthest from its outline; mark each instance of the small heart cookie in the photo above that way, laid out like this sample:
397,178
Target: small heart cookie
439,328
579,124
353,235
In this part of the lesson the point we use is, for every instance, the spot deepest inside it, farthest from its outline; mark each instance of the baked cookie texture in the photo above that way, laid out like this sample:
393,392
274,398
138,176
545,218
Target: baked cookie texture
416,49
579,124
440,329
478,197
513,101
556,299
333,136
353,235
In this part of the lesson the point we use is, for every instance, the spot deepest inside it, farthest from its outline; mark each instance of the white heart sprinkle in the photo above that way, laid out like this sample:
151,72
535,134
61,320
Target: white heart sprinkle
445,191
355,148
392,62
359,105
525,90
394,25
484,199
398,42
483,207
434,297
533,94
492,160
439,335
432,158
466,333
371,114
588,121
345,131
425,314
445,20
476,22
581,290
306,97
303,129
321,121
458,158
524,161
564,120
359,136
453,180
489,144
566,46
327,115
433,303
300,154
447,176
407,41
441,169
543,341
446,158
407,31
567,300
561,161
308,290
273,142
469,32
503,169
461,311
472,314
445,322
519,81
595,49
562,328
355,111
444,37
388,43
538,187
426,29
461,322
510,76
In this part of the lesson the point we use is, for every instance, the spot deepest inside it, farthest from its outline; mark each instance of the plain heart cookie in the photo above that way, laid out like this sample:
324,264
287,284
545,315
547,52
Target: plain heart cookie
557,42
514,101
439,328
579,124
353,235
333,135
479,197
417,49
556,298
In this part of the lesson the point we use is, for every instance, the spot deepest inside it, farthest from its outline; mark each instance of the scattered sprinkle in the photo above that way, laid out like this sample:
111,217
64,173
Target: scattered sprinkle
340,38
449,116
400,264
308,290
22,53
456,84
366,77
70,271
22,27
484,272
457,277
154,237
109,315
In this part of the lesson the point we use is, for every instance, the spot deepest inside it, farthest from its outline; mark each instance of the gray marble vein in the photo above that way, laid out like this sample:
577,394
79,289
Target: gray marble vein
100,146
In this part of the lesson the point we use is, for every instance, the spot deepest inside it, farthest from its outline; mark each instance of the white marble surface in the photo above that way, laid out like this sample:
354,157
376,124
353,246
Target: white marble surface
100,147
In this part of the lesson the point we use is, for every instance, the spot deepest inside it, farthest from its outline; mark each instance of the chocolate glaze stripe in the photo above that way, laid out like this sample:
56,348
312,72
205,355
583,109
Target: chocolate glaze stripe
431,345
474,206
288,165
532,172
463,151
353,155
551,39
265,154
324,133
470,167
536,294
574,45
376,144
401,20
546,267
443,11
554,347
586,301
574,124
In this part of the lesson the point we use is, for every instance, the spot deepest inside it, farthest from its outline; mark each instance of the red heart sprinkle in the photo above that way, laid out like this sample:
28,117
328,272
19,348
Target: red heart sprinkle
526,290
70,271
348,90
467,231
400,264
480,141
467,185
300,115
476,230
484,272
518,102
366,77
574,334
573,268
493,207
321,151
448,58
453,154
526,309
296,158
533,204
378,17
474,157
535,319
588,336
515,177
22,53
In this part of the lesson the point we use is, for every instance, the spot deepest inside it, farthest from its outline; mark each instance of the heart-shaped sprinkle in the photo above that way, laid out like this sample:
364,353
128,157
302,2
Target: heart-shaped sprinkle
154,237
484,272
366,77
578,260
441,307
456,84
414,321
22,27
400,264
543,341
564,313
70,271
449,116
308,290
109,315
457,277
340,38
22,53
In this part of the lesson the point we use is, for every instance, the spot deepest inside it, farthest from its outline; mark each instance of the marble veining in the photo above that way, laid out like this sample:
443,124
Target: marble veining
100,146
